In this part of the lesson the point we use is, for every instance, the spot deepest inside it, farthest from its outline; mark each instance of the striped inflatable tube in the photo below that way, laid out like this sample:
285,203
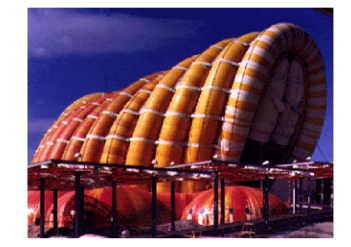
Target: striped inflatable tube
94,142
269,87
78,137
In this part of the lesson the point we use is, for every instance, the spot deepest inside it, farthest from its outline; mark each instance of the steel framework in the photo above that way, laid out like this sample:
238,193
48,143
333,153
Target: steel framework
71,175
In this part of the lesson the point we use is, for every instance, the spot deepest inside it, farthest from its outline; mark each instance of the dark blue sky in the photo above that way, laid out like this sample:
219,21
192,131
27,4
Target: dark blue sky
72,51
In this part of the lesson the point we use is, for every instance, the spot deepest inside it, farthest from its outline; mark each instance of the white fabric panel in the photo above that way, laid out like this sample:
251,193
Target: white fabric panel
271,42
267,115
246,79
227,158
231,146
262,52
287,119
238,112
254,65
238,129
249,96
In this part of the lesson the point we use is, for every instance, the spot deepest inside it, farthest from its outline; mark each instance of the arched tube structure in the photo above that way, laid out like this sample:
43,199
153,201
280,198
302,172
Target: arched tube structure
267,87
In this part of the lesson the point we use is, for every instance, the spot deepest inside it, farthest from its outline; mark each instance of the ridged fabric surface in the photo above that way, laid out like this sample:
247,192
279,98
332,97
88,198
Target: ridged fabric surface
268,86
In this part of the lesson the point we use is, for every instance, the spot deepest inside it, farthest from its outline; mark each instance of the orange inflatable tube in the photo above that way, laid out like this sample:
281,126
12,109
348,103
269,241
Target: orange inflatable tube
76,141
64,114
94,142
64,119
62,141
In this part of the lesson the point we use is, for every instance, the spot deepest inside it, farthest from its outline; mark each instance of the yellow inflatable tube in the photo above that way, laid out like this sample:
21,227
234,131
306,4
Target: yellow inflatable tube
94,142
117,141
152,116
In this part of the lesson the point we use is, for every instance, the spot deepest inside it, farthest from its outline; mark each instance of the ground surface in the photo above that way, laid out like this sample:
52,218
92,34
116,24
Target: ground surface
320,230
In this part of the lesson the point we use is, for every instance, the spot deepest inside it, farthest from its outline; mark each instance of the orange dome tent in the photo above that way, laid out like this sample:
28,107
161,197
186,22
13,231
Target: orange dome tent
181,199
241,203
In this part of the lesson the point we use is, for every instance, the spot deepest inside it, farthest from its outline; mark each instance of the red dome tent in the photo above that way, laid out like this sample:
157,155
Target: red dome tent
133,207
33,204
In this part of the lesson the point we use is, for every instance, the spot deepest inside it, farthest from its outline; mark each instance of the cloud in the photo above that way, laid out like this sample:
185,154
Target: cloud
67,32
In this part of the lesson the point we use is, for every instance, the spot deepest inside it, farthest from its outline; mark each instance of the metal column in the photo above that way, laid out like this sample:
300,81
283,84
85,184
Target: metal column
82,223
154,207
300,196
78,213
215,203
222,201
322,192
332,192
265,199
114,214
172,206
42,211
55,212
294,189
290,195
309,197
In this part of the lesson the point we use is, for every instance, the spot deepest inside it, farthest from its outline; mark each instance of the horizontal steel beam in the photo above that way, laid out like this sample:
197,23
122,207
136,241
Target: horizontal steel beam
102,165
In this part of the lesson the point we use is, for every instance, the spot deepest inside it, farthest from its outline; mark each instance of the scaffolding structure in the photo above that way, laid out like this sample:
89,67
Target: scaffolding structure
73,175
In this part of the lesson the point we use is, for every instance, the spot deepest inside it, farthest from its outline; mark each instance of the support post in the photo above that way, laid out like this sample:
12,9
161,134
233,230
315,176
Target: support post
154,207
42,205
332,192
309,197
300,196
215,203
222,201
82,223
55,212
172,206
261,153
290,195
78,213
114,214
265,199
294,185
322,192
